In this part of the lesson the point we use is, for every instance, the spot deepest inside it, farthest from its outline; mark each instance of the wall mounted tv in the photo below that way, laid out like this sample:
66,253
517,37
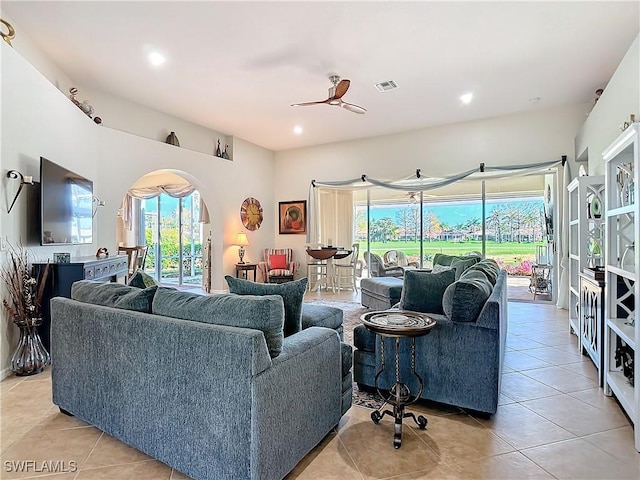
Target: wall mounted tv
66,206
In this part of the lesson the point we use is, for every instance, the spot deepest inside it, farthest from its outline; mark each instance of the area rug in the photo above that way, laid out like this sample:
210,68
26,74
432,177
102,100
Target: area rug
352,312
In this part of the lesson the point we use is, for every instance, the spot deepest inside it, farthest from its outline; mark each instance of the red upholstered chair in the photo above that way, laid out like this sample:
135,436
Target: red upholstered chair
278,265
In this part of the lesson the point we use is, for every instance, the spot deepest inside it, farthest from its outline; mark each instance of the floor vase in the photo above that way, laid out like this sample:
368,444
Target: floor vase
30,356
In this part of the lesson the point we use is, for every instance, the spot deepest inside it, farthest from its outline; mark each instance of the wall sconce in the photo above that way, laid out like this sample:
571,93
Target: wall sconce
97,203
10,35
28,180
241,241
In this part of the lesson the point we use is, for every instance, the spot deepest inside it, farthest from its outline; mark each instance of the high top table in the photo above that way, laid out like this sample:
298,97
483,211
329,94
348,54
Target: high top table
398,324
327,254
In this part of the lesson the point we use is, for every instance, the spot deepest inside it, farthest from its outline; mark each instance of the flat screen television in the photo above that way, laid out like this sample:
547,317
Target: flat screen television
66,206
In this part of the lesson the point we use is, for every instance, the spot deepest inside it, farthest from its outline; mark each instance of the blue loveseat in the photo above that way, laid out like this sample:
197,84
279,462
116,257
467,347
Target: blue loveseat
168,373
460,360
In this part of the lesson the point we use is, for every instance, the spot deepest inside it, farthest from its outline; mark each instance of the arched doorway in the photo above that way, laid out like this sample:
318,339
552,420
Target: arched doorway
164,211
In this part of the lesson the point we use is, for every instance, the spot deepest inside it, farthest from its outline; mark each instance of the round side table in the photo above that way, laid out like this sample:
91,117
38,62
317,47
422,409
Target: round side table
398,324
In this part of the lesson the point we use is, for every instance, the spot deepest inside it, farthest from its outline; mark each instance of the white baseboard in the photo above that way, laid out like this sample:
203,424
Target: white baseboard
5,373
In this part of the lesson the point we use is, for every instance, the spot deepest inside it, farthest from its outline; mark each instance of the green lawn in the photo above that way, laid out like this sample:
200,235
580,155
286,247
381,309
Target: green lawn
508,252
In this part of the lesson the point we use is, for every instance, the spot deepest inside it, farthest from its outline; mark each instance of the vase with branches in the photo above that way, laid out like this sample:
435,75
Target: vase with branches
24,306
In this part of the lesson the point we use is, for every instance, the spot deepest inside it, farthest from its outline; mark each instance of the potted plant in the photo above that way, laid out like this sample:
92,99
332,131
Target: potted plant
23,306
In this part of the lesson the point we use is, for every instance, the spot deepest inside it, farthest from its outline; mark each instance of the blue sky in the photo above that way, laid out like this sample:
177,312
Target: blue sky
452,212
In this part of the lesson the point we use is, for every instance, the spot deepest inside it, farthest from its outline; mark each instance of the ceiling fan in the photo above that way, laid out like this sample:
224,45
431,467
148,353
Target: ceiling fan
336,93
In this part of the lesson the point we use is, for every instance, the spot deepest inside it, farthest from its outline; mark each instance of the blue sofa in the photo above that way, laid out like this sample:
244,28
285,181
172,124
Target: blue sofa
186,381
460,361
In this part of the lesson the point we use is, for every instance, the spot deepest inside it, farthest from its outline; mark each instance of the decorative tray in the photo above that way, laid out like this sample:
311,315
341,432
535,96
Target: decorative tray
398,322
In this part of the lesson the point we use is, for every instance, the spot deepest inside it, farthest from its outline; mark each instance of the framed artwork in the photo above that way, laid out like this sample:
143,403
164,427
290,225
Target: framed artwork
293,217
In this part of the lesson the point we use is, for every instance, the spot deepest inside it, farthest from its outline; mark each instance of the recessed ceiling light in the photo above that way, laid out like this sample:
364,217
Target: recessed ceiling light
466,98
156,59
298,130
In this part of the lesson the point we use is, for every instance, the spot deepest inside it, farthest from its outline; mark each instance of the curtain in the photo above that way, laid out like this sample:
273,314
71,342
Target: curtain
313,216
419,183
336,217
204,213
175,191
127,209
563,239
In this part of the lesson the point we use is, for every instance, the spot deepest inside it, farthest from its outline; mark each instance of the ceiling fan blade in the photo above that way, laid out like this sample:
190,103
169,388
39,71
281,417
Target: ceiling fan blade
306,104
341,88
353,108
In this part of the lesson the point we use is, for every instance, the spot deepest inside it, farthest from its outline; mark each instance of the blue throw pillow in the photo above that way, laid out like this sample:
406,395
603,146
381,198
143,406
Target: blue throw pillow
292,294
114,295
423,291
463,300
142,280
264,313
461,264
489,267
444,259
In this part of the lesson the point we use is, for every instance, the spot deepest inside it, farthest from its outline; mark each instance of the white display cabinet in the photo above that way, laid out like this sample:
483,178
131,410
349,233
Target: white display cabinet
622,329
586,237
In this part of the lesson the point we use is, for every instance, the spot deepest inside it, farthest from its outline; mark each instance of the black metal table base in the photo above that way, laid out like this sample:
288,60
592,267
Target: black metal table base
399,415
399,395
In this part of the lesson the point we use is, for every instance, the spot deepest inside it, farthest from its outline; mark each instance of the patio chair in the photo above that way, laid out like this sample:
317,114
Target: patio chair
378,269
399,259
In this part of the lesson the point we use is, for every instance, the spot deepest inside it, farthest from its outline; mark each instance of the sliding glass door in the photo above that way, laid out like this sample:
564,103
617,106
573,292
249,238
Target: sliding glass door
174,236
506,224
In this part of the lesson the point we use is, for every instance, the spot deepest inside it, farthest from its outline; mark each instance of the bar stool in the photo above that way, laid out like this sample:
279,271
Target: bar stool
348,271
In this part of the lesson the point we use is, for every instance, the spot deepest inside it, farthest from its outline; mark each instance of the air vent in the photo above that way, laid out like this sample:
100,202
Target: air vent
386,86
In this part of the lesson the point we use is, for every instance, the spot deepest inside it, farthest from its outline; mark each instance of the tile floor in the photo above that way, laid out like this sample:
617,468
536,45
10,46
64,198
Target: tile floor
553,422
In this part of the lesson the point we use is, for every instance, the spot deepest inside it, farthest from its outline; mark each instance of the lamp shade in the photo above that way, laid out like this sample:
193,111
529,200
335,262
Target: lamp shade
241,240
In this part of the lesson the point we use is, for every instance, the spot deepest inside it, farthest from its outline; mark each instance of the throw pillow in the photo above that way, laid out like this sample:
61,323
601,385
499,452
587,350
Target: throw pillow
142,280
140,300
463,300
265,313
437,268
423,291
114,295
278,262
461,264
292,294
489,267
444,259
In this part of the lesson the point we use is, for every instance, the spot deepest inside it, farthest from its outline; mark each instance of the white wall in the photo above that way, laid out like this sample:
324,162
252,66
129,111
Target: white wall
39,120
127,116
439,151
620,98
23,44
36,121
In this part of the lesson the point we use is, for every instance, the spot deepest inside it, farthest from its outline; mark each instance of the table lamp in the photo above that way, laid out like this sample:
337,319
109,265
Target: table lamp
241,241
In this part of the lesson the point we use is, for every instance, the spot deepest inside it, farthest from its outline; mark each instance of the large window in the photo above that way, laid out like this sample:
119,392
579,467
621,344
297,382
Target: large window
508,226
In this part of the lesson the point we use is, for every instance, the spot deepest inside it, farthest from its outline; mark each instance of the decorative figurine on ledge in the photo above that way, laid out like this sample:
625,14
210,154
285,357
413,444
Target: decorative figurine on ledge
84,106
218,151
599,92
225,154
172,139
627,123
